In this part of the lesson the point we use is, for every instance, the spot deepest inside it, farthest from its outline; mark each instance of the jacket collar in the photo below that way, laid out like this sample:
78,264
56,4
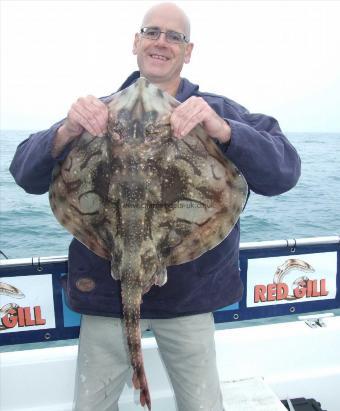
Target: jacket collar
185,90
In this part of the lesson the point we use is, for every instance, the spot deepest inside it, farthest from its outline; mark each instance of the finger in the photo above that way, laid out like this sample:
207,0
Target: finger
76,117
177,120
92,115
97,119
192,122
95,104
184,112
192,101
101,113
184,122
86,118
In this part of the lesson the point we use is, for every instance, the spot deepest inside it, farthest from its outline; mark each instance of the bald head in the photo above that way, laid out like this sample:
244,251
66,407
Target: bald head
169,11
160,60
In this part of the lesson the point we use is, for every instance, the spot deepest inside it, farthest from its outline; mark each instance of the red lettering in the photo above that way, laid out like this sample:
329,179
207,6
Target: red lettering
271,292
299,292
281,291
259,293
323,291
21,317
313,289
315,292
10,320
37,315
309,291
28,319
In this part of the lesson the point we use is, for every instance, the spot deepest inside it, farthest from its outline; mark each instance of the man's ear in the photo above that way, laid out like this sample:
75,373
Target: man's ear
188,51
135,44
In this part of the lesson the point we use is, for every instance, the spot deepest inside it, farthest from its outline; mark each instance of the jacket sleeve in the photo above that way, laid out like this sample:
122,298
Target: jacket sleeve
268,161
33,163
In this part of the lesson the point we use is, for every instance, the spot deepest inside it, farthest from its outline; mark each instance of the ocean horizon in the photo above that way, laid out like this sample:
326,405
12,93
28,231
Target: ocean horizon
29,229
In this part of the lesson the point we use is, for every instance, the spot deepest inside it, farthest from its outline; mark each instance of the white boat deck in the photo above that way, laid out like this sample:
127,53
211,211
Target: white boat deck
294,360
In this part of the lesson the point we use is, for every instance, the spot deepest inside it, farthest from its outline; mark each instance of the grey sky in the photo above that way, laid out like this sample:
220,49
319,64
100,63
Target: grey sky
277,57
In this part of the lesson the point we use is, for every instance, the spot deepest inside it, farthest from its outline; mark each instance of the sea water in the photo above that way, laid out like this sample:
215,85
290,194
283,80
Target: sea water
29,229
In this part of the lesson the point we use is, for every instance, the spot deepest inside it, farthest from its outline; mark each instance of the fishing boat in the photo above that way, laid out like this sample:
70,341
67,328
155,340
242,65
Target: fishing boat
280,342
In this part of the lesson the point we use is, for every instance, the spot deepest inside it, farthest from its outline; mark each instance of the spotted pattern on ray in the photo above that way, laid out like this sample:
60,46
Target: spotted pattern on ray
145,200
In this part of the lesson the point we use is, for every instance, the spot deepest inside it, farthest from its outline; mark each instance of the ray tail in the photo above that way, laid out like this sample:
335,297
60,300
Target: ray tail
131,299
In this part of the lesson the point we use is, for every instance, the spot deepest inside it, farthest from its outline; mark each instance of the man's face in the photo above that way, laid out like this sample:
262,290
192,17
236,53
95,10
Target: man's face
158,60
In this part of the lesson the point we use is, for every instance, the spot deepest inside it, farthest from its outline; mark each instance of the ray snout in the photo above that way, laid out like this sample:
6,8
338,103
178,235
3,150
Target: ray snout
139,106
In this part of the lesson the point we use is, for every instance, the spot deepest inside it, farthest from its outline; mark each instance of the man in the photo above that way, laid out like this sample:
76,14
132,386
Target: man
179,313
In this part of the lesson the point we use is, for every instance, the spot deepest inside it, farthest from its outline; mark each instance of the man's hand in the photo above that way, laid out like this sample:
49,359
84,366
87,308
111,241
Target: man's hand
87,113
196,110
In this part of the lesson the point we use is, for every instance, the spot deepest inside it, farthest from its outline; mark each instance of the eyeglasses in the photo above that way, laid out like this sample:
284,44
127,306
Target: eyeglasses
153,33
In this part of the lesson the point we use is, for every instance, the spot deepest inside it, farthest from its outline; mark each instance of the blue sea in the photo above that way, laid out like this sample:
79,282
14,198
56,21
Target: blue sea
28,227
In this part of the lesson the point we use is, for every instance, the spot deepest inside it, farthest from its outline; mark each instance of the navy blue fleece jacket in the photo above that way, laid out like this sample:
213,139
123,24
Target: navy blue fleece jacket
269,163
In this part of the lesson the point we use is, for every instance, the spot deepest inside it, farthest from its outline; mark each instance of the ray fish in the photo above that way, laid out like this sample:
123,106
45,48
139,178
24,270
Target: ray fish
145,200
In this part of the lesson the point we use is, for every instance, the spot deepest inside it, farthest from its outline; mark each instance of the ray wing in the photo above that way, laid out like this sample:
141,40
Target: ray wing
202,196
79,194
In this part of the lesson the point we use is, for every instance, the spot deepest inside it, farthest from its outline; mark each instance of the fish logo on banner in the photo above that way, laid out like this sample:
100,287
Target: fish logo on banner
301,287
303,278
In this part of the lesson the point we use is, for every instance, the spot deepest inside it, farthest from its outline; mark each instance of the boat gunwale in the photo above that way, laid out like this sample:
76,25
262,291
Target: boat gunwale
244,246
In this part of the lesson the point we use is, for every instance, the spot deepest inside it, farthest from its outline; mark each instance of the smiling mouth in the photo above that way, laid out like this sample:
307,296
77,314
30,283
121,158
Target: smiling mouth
159,57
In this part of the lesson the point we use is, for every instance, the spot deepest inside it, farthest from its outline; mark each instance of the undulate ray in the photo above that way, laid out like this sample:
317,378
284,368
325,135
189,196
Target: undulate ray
145,200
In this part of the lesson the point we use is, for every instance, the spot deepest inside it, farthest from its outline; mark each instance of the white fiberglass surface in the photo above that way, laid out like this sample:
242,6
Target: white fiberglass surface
294,360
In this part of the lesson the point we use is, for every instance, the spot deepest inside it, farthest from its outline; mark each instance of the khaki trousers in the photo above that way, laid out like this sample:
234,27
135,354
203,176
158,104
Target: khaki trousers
187,348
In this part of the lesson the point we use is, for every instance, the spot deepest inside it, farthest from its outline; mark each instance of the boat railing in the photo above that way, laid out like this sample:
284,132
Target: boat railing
283,279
